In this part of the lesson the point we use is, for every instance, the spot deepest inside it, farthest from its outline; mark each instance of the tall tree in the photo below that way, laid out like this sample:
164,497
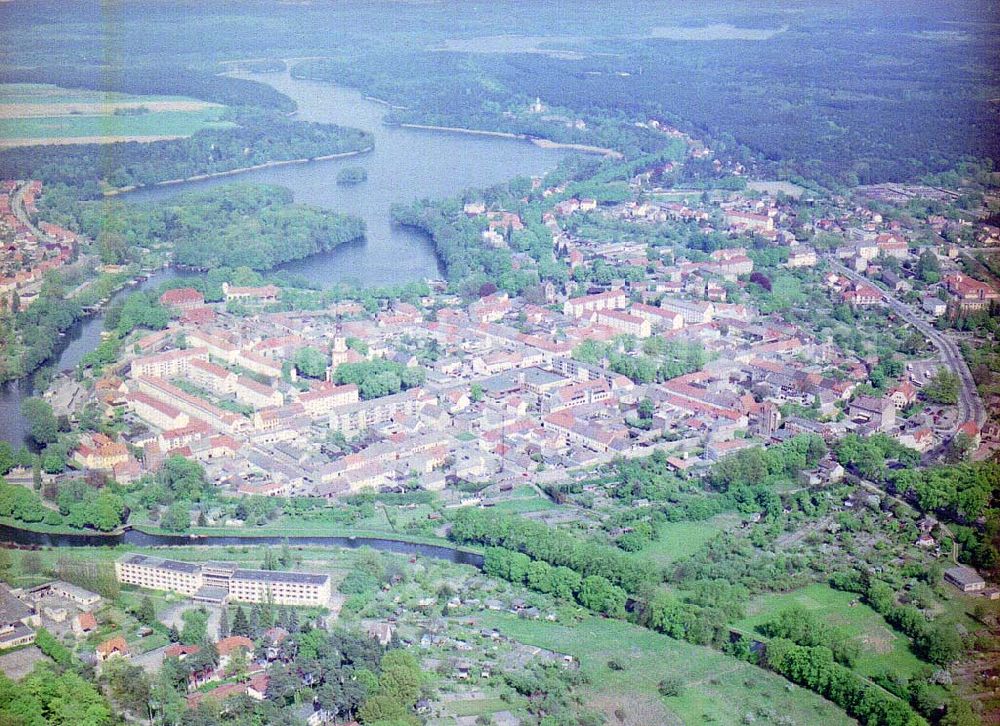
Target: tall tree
147,612
224,622
241,625
42,424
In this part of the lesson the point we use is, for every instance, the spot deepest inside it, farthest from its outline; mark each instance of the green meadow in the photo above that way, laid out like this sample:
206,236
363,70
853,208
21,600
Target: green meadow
715,688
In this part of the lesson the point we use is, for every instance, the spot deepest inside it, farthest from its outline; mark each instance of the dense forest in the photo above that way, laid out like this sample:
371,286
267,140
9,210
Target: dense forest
234,225
798,110
257,137
175,81
843,93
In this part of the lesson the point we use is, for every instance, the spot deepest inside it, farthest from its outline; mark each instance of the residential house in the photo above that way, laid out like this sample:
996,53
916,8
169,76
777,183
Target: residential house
114,648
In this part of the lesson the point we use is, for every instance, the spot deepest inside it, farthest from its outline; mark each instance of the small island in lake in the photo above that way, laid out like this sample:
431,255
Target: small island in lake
351,175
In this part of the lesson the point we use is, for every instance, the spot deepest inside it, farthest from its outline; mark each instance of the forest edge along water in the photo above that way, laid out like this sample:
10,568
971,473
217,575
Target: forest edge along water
405,165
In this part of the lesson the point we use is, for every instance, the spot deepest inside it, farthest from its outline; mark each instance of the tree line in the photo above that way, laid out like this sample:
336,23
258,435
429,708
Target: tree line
936,641
594,592
479,526
814,667
811,666
254,136
159,80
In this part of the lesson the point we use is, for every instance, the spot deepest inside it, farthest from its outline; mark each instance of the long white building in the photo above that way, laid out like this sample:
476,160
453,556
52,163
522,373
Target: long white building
221,581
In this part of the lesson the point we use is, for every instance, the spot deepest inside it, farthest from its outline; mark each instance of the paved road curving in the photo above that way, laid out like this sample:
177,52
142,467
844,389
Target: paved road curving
970,405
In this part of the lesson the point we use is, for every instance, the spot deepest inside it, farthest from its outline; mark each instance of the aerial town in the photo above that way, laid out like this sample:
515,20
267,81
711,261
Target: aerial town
445,377
478,403
508,389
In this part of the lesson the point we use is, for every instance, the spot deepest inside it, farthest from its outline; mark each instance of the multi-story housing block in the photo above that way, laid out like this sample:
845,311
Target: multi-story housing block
578,307
171,364
222,581
157,573
355,418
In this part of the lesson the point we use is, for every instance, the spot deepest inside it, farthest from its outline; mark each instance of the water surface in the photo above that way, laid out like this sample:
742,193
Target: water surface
406,164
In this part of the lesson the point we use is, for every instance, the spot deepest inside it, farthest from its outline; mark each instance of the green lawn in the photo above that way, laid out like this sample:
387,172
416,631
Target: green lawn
717,688
786,291
882,647
524,498
476,707
682,539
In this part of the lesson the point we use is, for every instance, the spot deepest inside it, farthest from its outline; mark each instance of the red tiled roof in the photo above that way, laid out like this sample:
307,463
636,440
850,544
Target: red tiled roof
116,644
182,295
228,645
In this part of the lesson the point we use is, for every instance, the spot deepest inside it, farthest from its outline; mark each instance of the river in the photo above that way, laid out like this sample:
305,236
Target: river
79,340
142,539
406,164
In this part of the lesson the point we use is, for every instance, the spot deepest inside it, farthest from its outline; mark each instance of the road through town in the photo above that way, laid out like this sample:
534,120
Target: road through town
970,405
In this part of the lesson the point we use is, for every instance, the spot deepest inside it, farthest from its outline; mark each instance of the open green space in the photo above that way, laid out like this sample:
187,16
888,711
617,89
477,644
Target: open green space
477,707
153,124
716,688
52,114
682,539
524,499
882,647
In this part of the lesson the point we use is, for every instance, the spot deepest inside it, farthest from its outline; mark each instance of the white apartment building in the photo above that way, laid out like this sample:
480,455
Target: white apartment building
222,581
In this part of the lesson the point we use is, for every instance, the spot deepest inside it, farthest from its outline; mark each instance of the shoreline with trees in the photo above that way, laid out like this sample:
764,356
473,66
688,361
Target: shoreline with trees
242,170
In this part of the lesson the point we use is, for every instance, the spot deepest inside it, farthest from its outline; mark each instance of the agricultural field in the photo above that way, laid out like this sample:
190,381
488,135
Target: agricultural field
714,688
43,114
882,647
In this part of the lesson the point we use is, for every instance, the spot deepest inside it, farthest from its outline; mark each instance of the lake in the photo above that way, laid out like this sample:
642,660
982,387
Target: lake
406,164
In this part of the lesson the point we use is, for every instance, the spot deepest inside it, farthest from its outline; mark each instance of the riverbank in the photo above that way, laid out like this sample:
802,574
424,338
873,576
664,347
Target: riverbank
42,528
460,130
536,140
380,101
306,530
585,148
242,170
39,534
88,312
